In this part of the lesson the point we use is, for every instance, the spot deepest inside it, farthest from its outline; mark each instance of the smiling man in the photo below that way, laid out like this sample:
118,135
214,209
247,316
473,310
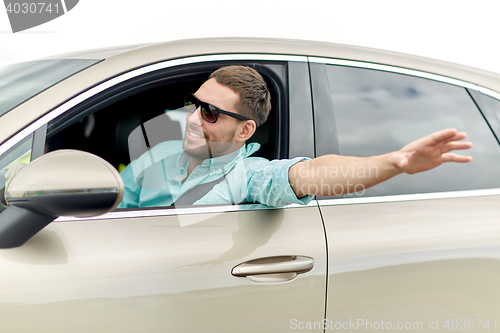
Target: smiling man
213,164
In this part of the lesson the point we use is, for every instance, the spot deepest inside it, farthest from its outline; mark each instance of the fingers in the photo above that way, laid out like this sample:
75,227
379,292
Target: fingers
441,137
452,157
455,146
459,136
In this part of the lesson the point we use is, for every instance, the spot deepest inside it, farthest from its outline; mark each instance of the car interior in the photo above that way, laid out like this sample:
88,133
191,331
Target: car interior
122,124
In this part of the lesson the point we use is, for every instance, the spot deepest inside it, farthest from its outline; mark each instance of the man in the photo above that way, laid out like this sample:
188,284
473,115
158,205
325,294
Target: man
213,164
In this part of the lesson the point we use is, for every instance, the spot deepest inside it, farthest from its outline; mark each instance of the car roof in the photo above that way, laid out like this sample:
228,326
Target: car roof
96,54
132,56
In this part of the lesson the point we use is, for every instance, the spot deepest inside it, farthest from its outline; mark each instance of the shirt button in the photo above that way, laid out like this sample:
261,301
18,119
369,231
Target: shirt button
213,171
180,176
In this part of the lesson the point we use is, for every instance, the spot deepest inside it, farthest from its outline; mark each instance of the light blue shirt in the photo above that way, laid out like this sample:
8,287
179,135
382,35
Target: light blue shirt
158,178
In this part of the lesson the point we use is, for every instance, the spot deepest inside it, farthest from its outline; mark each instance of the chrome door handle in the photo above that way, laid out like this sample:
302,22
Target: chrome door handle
274,265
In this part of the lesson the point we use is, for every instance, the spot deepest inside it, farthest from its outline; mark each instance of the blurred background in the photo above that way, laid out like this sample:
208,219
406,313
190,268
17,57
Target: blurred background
456,31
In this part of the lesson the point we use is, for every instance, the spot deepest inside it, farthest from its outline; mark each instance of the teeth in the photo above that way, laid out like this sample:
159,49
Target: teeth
196,135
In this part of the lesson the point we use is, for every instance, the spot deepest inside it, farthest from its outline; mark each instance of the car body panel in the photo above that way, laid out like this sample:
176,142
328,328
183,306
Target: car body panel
153,274
413,261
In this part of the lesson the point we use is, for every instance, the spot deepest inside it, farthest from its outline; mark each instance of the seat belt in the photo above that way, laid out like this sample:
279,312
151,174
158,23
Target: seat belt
199,191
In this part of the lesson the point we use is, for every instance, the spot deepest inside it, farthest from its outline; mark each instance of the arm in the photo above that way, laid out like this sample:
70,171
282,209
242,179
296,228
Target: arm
334,175
132,192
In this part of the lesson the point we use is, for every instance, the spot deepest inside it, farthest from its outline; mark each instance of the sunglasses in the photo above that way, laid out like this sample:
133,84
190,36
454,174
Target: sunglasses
209,112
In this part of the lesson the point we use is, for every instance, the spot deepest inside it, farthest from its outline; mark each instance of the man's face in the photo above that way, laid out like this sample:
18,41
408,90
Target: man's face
205,140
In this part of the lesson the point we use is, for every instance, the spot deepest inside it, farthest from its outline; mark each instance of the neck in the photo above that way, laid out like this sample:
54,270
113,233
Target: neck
193,163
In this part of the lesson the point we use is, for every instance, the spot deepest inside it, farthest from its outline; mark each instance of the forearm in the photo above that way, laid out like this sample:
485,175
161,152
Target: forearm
330,175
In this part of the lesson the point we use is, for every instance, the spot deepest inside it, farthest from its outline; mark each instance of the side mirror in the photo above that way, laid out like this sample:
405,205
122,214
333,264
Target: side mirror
61,183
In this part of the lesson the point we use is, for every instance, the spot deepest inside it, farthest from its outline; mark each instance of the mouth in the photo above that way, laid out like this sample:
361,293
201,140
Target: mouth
195,135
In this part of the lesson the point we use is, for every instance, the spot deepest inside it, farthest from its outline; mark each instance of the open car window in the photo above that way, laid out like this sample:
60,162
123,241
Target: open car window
145,122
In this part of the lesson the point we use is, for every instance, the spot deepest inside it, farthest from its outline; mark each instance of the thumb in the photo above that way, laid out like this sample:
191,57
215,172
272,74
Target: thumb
403,162
399,160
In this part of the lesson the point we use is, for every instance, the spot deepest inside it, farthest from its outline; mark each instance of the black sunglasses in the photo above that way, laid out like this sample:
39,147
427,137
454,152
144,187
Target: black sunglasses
209,112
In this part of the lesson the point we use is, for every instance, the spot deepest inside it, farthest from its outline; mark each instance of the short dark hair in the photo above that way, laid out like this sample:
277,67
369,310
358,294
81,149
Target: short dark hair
255,98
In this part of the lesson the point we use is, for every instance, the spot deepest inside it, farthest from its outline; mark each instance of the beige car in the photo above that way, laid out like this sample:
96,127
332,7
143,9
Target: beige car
416,253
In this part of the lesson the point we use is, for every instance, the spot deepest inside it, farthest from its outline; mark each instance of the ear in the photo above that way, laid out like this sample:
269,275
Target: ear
247,129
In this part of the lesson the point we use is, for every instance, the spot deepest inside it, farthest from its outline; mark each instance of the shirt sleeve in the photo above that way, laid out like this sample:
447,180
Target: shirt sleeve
267,182
132,193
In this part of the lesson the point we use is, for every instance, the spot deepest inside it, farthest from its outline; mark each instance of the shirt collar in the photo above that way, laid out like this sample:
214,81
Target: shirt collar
226,161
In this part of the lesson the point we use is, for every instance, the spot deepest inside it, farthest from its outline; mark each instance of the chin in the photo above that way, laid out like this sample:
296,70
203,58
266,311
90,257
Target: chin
197,151
207,150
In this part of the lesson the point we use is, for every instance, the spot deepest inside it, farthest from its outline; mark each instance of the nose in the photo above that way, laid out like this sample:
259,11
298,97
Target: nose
195,117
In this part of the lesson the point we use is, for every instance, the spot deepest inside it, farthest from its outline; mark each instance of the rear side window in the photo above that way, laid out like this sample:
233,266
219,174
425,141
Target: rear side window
378,112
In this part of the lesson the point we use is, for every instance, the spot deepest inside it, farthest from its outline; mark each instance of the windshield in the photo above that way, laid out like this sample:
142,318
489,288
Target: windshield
20,82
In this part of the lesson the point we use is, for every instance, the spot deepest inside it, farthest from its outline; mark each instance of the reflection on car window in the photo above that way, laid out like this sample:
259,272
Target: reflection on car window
20,82
378,112
490,107
492,103
158,173
165,127
18,156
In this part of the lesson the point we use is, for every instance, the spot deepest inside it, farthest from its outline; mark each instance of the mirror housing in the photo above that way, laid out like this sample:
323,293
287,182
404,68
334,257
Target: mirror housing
60,183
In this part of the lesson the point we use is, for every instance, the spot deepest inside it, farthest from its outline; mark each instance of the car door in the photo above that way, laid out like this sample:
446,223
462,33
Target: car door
170,269
418,252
